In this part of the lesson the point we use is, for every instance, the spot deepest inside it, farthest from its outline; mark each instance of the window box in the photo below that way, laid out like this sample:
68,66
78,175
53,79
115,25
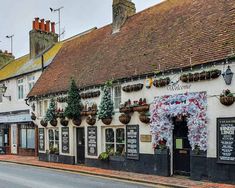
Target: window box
161,82
143,108
134,87
107,121
125,109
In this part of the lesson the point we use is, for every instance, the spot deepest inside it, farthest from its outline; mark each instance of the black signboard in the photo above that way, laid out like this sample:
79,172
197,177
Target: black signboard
92,141
226,140
41,139
132,142
65,139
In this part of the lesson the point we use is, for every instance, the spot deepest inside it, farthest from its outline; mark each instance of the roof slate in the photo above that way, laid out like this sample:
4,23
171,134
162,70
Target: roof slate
169,34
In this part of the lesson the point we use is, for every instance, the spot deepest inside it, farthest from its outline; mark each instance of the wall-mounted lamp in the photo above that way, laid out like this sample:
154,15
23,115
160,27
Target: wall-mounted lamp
228,76
3,90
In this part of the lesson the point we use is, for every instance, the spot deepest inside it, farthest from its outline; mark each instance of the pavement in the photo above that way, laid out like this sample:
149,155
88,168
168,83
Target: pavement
175,181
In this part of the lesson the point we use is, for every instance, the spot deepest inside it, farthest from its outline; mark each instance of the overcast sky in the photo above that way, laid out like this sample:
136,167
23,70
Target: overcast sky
16,18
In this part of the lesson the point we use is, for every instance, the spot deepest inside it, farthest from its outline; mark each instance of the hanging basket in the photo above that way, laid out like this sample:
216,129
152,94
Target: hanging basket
107,121
77,122
143,108
43,123
53,122
91,120
64,122
124,118
33,116
227,100
161,82
144,118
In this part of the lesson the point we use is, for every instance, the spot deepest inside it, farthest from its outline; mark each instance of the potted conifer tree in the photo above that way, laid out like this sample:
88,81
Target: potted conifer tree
106,106
74,108
51,113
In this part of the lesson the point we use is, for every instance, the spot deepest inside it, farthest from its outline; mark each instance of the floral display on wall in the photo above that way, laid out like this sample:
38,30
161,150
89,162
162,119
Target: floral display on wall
192,105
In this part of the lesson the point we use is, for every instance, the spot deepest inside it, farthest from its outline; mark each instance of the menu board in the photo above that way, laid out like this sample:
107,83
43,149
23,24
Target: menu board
226,140
92,141
65,139
132,142
41,139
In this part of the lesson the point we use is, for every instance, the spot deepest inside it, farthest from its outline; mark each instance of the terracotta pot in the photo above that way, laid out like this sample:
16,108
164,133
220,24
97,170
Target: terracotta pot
143,108
91,120
107,121
43,123
53,122
143,118
64,122
124,118
227,101
77,122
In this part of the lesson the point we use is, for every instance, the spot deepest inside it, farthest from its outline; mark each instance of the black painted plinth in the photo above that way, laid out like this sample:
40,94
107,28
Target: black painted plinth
56,158
162,160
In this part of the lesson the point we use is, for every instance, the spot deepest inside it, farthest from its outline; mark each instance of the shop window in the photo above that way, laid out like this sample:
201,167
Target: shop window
27,137
20,86
53,135
117,96
31,82
115,141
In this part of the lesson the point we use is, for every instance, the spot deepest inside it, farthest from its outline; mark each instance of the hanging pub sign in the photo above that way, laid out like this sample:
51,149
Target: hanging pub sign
226,140
65,139
92,140
41,139
132,142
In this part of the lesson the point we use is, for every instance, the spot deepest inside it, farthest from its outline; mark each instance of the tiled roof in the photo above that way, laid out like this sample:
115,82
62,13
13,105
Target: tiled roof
169,34
24,65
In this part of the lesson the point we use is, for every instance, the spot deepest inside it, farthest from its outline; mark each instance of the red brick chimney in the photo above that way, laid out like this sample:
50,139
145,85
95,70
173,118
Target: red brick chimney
36,23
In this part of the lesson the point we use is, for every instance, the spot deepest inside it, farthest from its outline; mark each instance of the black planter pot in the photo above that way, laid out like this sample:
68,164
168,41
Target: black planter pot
162,159
198,165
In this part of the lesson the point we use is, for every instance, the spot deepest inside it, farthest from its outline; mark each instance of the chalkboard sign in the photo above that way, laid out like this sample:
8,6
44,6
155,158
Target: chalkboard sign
226,140
132,142
41,139
92,141
65,139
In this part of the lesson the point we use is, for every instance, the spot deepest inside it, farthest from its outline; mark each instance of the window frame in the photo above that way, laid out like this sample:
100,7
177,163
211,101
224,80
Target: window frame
56,142
20,88
26,128
31,82
115,143
116,97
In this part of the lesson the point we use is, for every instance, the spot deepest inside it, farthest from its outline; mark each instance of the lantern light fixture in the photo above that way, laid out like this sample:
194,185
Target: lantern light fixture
228,76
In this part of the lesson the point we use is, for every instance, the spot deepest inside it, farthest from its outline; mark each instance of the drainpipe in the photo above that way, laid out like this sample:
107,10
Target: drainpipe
42,61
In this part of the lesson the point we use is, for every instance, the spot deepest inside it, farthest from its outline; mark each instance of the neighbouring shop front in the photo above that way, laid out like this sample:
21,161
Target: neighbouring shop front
17,133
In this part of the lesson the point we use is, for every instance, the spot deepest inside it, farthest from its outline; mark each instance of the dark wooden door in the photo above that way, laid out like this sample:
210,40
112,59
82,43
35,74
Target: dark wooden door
80,145
181,148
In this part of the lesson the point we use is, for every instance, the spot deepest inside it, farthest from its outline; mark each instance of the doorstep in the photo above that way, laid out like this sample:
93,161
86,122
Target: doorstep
175,181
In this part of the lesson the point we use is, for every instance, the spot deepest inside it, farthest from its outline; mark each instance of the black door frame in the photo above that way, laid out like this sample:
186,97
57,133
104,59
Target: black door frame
80,154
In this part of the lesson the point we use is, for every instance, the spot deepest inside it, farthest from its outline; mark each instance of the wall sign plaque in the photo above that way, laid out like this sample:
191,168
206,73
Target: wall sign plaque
92,140
41,139
226,140
132,142
65,139
145,138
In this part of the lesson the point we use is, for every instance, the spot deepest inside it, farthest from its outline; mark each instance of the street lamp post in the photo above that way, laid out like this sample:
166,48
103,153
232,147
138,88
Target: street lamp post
11,37
57,10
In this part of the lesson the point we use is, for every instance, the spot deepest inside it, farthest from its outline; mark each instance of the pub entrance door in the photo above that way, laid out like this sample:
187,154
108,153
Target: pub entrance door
181,147
80,145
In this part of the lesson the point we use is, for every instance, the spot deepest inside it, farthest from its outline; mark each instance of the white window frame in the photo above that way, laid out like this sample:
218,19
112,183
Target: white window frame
115,97
20,84
54,140
40,108
31,82
115,143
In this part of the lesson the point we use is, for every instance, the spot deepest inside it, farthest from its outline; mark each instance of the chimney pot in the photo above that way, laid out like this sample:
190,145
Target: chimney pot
36,23
33,25
42,25
53,27
47,26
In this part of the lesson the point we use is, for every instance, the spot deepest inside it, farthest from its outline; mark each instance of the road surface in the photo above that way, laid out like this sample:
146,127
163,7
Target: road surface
20,176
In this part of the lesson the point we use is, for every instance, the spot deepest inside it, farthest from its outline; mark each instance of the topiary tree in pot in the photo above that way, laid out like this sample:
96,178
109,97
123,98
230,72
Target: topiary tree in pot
74,108
106,106
51,113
